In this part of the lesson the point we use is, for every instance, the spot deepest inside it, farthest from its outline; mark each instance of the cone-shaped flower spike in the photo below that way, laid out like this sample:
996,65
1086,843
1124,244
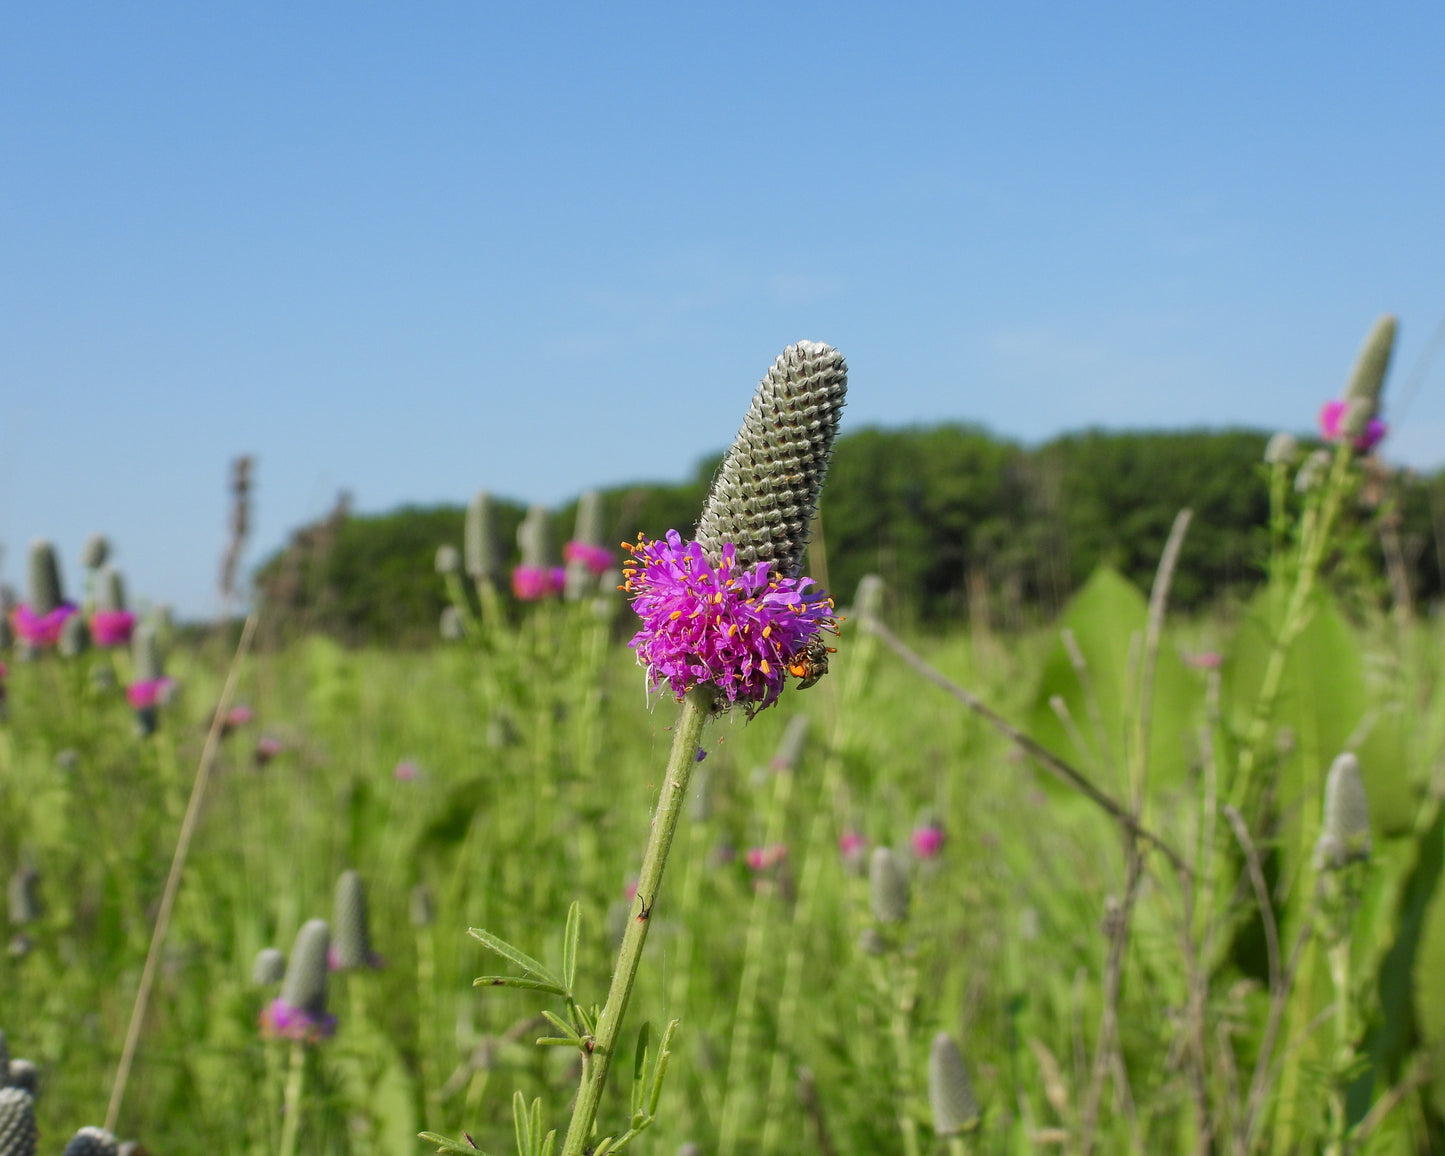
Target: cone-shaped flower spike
93,1142
483,556
351,945
299,1013
1345,832
887,887
17,1122
950,1093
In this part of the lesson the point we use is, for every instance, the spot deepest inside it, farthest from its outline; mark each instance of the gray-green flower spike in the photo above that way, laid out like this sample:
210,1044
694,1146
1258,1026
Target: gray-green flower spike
1368,376
1345,832
74,636
887,887
111,593
269,968
93,1142
95,552
448,559
483,556
305,983
351,947
17,1123
146,655
534,539
45,588
1282,449
766,492
950,1093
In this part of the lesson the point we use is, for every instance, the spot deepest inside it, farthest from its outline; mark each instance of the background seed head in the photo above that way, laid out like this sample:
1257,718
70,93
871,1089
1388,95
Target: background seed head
483,557
422,906
111,593
950,1093
45,588
1368,376
24,1074
95,552
1345,832
146,655
352,943
17,1122
448,560
305,983
887,887
766,492
269,968
74,636
93,1142
534,539
1282,449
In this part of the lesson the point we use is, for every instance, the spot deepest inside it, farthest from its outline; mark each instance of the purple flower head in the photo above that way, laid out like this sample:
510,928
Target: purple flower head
1205,660
533,583
112,627
267,748
850,843
238,716
734,628
1332,422
764,858
40,630
149,692
283,1021
926,841
406,772
597,559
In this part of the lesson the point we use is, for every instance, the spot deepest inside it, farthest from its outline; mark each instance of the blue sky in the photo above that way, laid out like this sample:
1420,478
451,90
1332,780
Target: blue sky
413,250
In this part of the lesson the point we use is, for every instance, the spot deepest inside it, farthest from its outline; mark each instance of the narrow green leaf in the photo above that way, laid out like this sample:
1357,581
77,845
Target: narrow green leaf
449,1146
569,944
664,1053
516,955
535,1132
517,981
639,1060
522,1123
549,1143
556,1042
563,1026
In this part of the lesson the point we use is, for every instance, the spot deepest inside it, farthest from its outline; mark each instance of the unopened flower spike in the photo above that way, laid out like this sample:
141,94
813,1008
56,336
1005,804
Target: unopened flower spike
38,623
1345,831
351,947
483,555
92,1141
299,1012
730,609
950,1092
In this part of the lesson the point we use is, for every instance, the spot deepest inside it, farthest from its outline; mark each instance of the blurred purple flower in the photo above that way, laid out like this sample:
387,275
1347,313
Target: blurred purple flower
149,692
112,627
533,583
734,628
281,1020
1332,419
597,559
926,841
1206,660
267,748
406,772
40,630
763,858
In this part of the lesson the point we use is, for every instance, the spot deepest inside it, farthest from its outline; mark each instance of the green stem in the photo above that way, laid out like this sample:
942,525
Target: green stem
696,708
1339,956
291,1106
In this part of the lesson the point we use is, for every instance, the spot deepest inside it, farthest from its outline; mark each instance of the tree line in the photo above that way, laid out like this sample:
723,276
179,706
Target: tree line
956,520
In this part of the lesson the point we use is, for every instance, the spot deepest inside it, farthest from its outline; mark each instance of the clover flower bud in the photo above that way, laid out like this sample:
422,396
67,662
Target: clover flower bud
950,1093
269,968
18,1135
451,624
74,637
1345,831
45,587
24,1074
1313,472
90,1141
351,945
448,559
1367,378
1282,449
95,552
887,887
299,1013
483,555
766,492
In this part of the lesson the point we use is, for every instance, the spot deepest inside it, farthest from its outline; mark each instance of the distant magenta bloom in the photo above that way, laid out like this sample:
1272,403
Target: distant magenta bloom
763,858
926,841
732,627
267,748
533,583
239,715
850,843
149,692
112,627
40,630
286,1021
1206,660
1332,420
597,559
406,772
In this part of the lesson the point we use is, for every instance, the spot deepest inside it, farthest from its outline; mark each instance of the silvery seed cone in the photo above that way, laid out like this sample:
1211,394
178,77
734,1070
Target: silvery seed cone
351,945
534,539
451,624
24,1074
95,552
269,968
1368,376
484,557
93,1142
17,1122
950,1094
766,492
111,593
305,983
1282,449
887,887
45,588
449,559
1313,472
146,655
22,897
588,530
1345,832
74,636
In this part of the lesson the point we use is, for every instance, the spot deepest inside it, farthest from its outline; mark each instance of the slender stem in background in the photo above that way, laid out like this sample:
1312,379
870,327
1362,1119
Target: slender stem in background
173,880
291,1105
1058,766
696,708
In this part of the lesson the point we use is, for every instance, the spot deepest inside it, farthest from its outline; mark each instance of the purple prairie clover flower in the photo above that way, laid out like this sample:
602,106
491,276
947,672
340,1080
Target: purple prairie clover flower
926,841
149,692
597,559
40,630
736,628
1332,426
406,772
284,1021
267,748
850,843
1206,660
765,858
112,627
533,583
